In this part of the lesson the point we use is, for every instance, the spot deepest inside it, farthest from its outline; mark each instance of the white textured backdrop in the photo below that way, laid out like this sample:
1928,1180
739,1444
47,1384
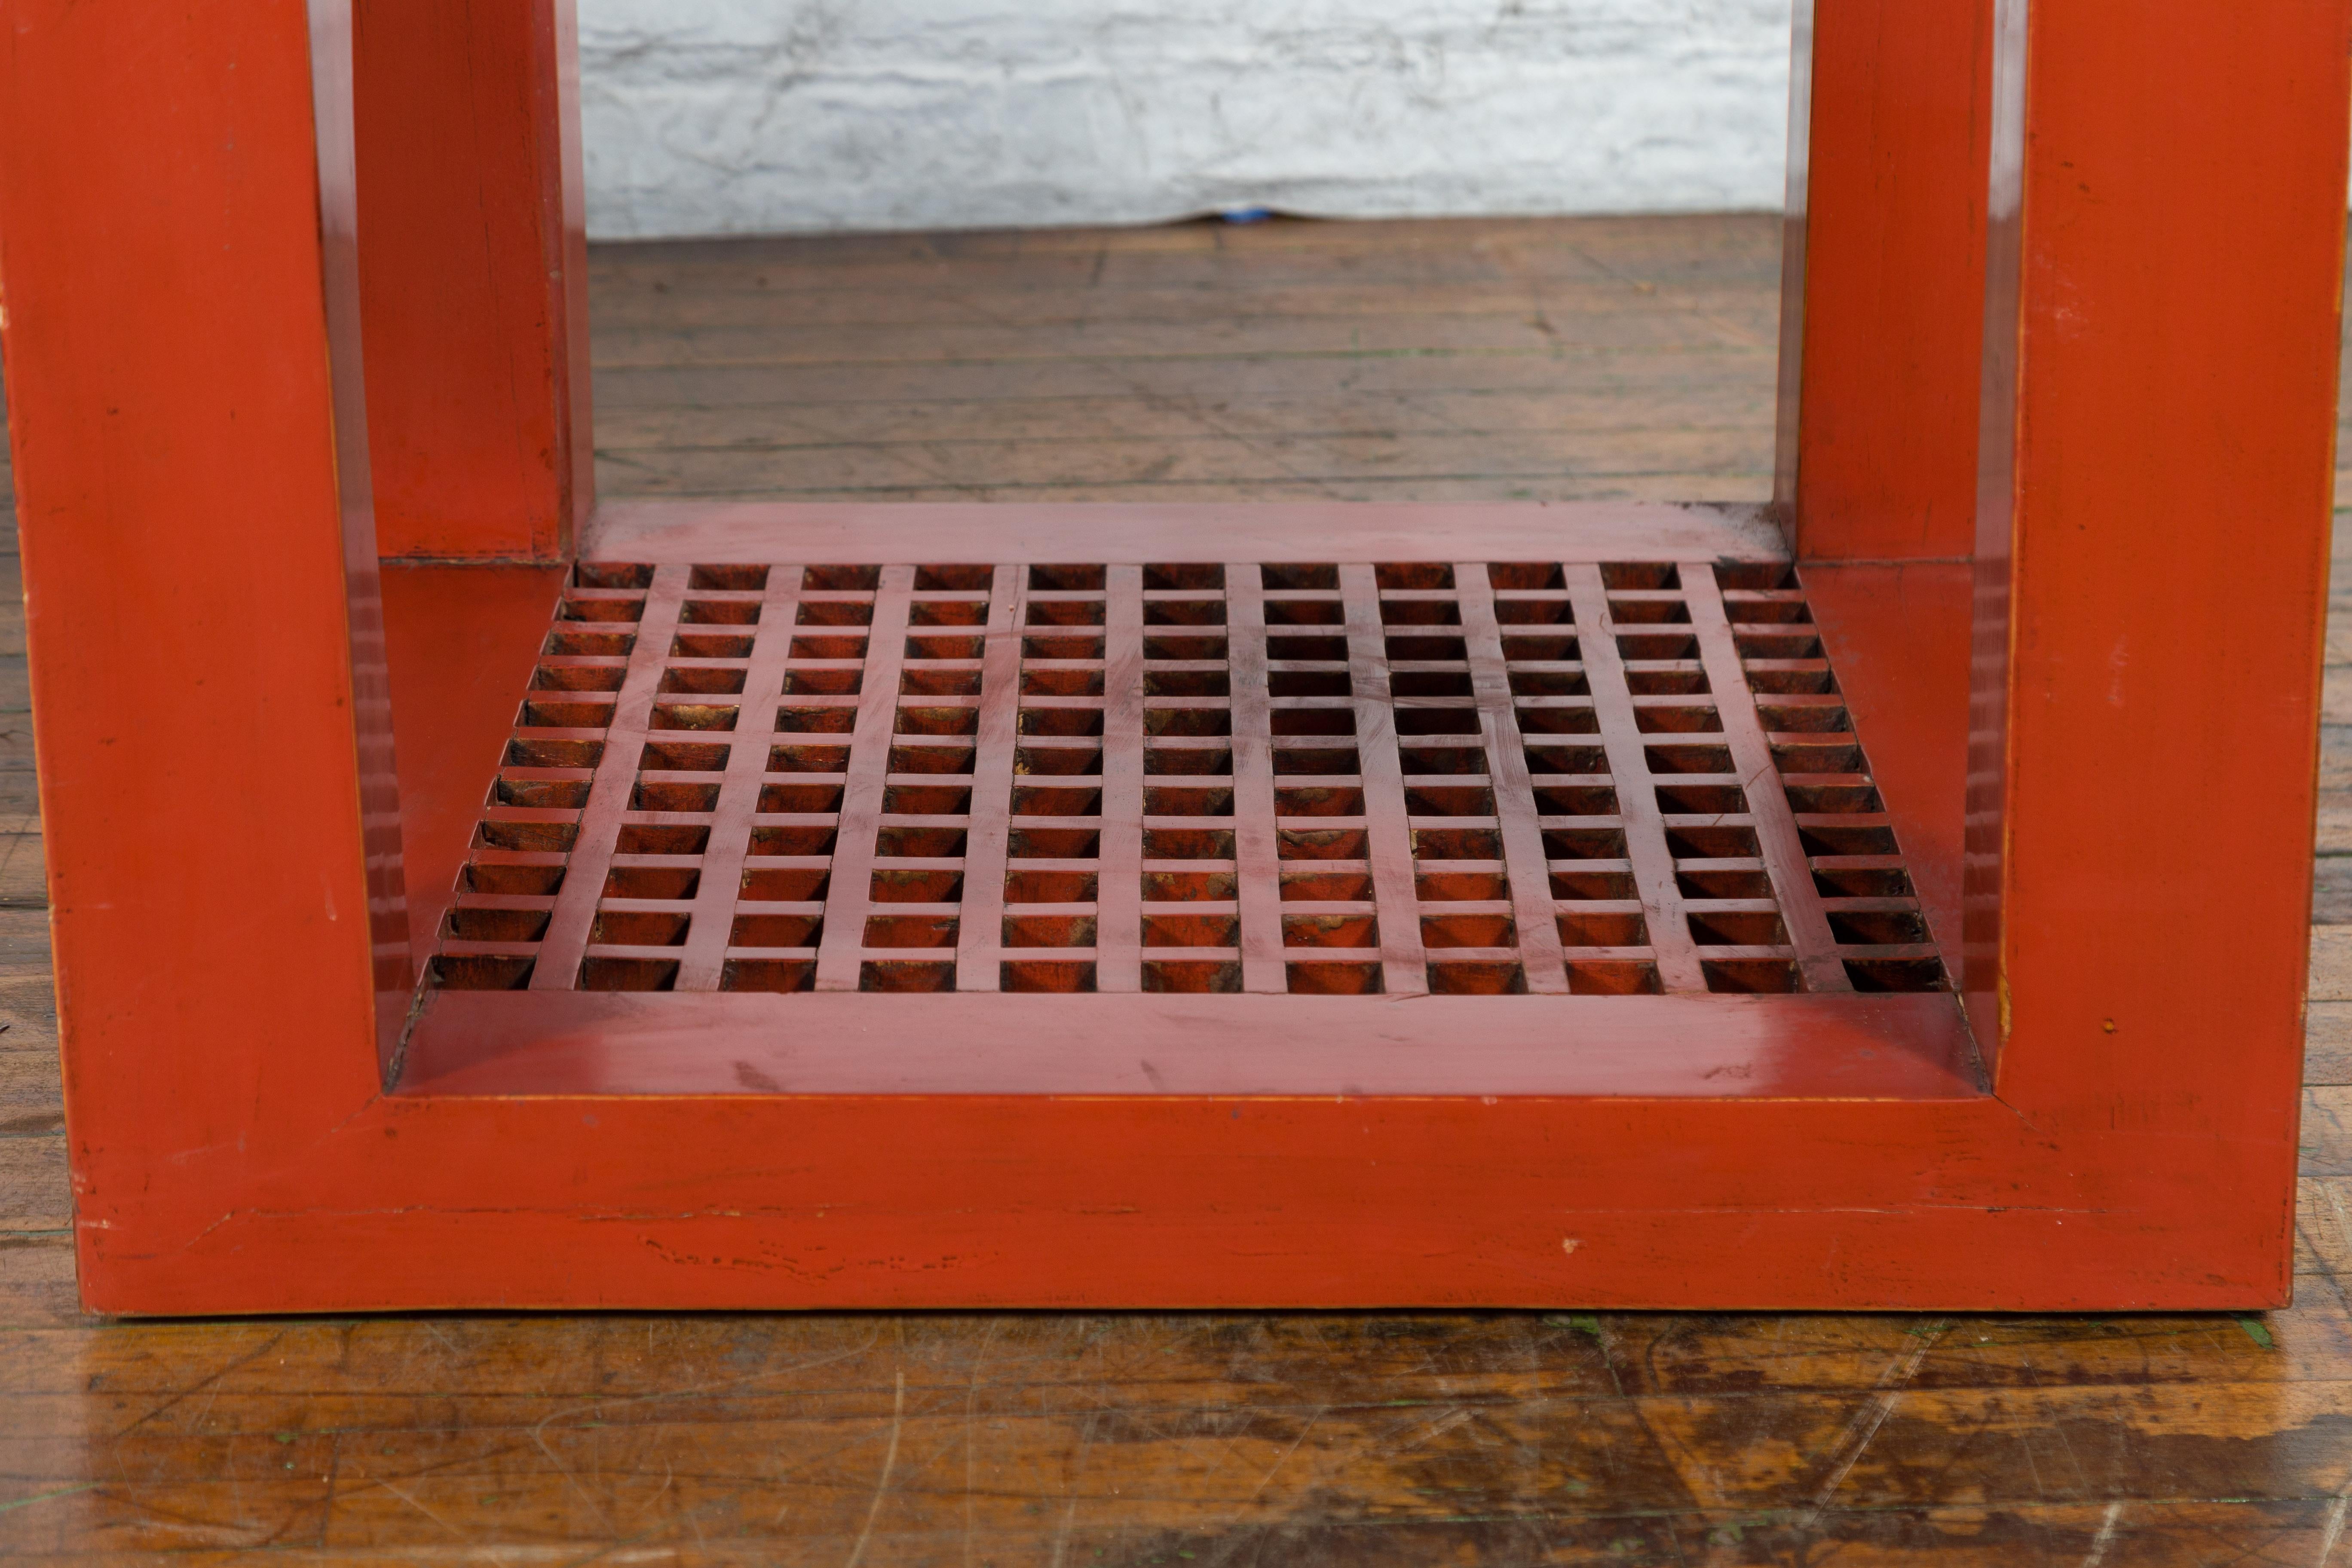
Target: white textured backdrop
750,116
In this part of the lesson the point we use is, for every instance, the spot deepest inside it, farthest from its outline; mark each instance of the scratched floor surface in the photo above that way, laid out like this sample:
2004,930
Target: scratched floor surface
1421,361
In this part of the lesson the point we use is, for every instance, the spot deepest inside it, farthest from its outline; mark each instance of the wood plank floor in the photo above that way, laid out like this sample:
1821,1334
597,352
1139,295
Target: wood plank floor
1600,358
1423,360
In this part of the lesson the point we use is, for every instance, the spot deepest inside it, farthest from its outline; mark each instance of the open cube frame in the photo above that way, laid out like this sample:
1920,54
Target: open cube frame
2059,378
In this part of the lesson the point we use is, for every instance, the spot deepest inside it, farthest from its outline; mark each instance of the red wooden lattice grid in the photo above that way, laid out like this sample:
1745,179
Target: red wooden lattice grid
1463,778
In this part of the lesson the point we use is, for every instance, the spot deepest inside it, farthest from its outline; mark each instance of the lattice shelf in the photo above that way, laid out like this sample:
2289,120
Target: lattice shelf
1334,778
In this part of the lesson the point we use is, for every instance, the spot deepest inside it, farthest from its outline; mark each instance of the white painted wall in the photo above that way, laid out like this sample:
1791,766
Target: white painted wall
747,116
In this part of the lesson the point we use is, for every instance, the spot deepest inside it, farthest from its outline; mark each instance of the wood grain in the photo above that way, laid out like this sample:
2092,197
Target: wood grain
1137,1438
1547,360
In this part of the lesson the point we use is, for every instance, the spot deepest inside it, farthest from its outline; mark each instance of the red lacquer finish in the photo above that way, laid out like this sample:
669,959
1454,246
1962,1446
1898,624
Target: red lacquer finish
173,420
473,258
1889,1047
457,634
1907,707
1880,449
2106,1123
2175,328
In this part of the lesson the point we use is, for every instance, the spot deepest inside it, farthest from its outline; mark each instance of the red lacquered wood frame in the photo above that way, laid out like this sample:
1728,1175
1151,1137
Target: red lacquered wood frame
2093,701
474,278
1882,325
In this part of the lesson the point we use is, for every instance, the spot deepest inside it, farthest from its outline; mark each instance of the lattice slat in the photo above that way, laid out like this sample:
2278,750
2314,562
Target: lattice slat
1389,835
1640,829
1533,912
571,923
979,943
1118,913
849,899
1257,855
760,685
1806,927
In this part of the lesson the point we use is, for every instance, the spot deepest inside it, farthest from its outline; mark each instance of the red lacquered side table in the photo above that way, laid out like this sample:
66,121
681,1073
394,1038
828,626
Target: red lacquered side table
467,896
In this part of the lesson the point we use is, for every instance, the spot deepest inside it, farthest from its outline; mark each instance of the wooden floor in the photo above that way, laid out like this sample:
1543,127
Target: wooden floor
1486,360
